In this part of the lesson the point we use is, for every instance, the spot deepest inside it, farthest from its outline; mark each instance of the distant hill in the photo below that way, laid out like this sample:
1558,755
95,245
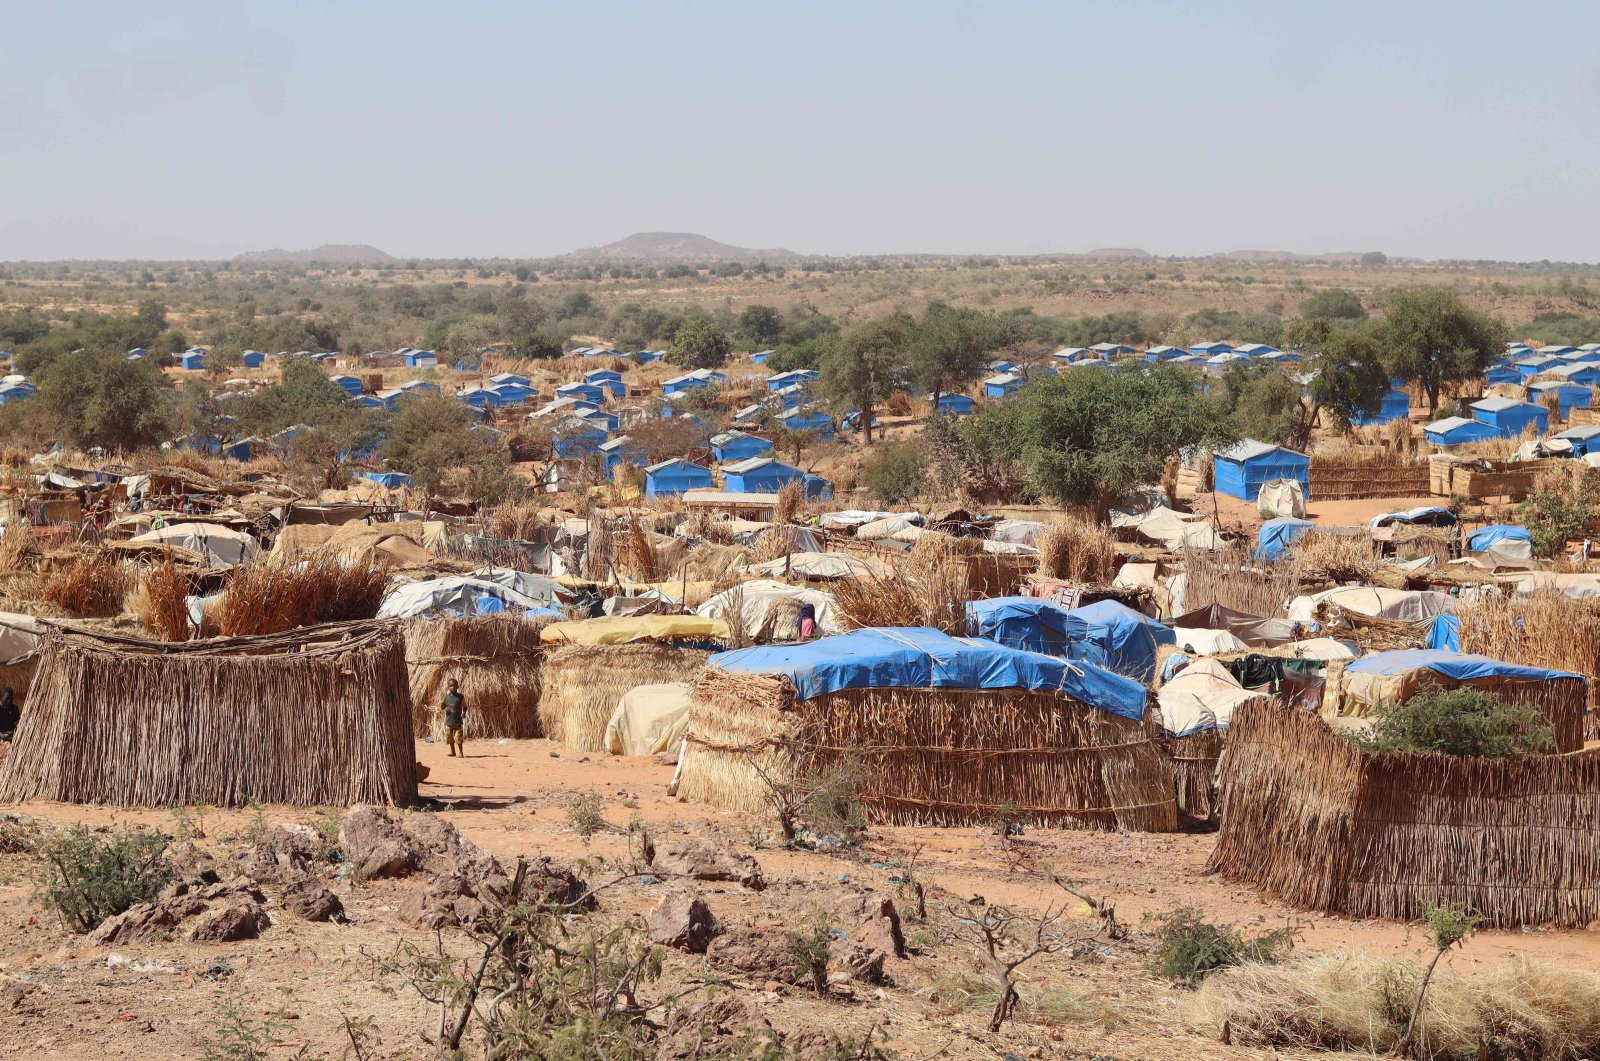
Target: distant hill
677,247
1120,252
333,253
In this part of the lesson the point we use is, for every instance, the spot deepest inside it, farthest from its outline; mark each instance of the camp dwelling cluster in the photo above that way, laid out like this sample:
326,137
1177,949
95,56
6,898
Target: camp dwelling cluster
191,627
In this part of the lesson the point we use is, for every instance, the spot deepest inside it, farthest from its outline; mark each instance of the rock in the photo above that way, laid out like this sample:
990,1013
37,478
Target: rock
758,954
374,846
855,961
307,897
440,902
668,758
287,851
191,863
707,858
869,917
716,1027
240,917
144,922
682,920
438,847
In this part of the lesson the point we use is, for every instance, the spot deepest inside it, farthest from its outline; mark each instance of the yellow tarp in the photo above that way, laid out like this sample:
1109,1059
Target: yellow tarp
621,629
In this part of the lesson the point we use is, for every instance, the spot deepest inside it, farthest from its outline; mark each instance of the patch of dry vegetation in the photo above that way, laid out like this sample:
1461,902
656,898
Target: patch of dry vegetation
270,597
88,585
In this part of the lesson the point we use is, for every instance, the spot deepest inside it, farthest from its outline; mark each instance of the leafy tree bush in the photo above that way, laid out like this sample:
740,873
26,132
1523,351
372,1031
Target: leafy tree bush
1432,337
1562,506
1188,948
698,343
867,364
429,436
898,471
1336,303
86,877
1092,438
761,325
539,346
103,399
1463,721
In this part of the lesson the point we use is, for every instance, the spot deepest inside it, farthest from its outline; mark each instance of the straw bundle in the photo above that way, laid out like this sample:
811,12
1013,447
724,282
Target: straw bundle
932,756
1231,580
1368,472
319,716
582,684
1336,557
89,585
496,661
791,498
18,550
713,563
1077,551
269,596
1311,818
931,587
160,602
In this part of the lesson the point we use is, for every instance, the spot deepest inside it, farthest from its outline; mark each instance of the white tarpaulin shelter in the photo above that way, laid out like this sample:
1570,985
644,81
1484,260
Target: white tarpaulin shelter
769,610
1175,530
857,518
1281,497
1411,606
821,566
223,546
453,595
649,719
1202,696
1208,642
888,527
1023,531
19,637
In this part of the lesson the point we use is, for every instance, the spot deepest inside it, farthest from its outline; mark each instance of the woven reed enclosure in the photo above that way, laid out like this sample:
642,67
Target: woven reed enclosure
316,716
1311,818
582,684
931,756
495,659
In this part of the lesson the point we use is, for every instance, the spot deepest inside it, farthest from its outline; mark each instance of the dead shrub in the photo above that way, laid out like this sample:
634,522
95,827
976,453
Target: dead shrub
90,585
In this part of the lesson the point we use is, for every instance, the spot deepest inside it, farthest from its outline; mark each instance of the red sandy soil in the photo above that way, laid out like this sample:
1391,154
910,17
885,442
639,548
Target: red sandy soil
510,797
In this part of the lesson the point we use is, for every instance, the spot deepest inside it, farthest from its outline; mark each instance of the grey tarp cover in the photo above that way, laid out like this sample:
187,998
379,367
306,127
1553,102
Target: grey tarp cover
761,609
1250,629
454,594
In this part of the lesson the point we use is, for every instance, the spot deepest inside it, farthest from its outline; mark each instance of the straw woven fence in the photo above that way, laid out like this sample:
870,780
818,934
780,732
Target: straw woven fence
932,756
1194,771
315,716
496,661
1233,580
1547,629
582,684
1313,819
1350,475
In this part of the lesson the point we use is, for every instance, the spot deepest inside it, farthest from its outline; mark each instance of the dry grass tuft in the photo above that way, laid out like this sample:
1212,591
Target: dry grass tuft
18,552
791,498
930,587
270,597
91,585
1077,551
1361,1003
160,603
1337,557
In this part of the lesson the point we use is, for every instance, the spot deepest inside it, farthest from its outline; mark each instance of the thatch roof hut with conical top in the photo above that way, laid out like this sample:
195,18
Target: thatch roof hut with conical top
590,663
320,715
946,731
496,660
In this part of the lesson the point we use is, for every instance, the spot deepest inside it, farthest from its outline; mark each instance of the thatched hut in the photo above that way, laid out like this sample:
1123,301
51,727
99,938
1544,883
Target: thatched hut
496,660
590,663
320,715
1311,818
946,731
1354,688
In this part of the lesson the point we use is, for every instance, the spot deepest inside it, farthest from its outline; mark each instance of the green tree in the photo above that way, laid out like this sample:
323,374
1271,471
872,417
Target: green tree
1462,721
1431,337
429,437
538,346
305,395
898,473
577,304
1336,303
103,399
1093,438
698,343
867,364
951,347
762,325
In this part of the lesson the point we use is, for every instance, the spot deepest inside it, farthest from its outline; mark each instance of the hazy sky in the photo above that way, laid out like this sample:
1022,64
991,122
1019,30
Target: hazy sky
1447,128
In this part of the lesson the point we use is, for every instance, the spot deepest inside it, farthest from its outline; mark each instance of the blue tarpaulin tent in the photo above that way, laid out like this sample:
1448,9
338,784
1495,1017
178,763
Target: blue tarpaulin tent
1485,537
1243,468
919,657
1444,633
391,480
1396,405
675,477
1276,535
1457,666
1114,636
1510,417
1032,624
1456,430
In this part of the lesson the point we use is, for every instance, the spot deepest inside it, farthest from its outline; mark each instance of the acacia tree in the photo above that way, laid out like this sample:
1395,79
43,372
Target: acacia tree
1094,437
952,346
1344,373
1431,337
698,343
868,364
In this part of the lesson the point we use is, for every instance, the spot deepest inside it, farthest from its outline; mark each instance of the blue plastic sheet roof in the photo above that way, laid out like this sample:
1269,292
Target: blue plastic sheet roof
1480,540
920,657
1278,534
1114,636
1457,666
1029,623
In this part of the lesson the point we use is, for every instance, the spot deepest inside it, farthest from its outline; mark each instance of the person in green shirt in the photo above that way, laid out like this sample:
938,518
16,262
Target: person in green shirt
455,713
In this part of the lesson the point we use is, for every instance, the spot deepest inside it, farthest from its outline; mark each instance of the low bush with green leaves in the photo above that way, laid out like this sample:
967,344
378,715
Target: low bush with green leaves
1463,721
1188,948
86,877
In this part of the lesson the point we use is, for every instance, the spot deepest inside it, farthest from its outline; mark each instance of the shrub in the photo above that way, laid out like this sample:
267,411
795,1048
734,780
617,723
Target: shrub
1189,948
1463,721
86,877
